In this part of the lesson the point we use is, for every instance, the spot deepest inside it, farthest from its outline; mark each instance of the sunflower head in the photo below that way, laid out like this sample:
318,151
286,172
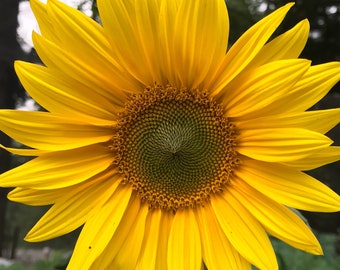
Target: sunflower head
171,150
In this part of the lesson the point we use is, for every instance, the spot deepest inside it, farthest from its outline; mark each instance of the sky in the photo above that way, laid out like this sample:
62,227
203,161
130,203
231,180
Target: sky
27,22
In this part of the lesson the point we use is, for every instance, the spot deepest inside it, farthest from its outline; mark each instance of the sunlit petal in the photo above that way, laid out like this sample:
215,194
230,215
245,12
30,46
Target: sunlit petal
184,250
59,169
246,48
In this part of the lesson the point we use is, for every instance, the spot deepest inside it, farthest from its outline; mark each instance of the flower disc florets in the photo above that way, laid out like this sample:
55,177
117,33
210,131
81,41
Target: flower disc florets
175,147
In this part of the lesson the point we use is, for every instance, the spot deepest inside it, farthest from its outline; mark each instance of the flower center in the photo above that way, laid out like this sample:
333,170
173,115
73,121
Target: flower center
175,147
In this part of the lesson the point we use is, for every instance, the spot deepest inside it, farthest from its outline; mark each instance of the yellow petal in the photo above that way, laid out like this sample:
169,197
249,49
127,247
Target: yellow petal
320,121
63,63
244,232
289,186
318,159
280,144
157,27
184,248
24,151
73,208
217,251
199,41
99,229
40,13
312,87
36,197
162,250
153,229
59,169
288,45
61,94
131,234
246,48
147,24
47,131
167,15
131,228
119,19
278,220
84,39
252,91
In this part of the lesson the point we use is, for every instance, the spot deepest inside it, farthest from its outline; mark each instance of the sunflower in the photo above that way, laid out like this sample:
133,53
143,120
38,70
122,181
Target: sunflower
170,152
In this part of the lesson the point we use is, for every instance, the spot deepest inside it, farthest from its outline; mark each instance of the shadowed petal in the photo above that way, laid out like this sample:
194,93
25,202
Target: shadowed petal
278,220
123,250
153,230
217,251
73,208
99,229
244,232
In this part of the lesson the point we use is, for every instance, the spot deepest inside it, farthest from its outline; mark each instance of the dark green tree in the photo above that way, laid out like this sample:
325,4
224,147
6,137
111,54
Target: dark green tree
9,87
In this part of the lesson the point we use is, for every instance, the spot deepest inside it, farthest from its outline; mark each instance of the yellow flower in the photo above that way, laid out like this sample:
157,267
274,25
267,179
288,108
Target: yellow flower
171,152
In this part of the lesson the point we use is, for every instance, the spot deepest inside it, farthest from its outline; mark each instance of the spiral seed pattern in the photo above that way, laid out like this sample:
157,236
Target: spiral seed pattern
175,147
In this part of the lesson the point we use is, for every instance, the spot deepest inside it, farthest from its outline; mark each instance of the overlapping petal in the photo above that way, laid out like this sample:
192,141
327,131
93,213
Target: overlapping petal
217,251
162,251
318,159
148,253
166,53
120,23
312,87
320,121
64,95
288,45
252,91
36,197
278,220
45,25
24,151
57,59
244,232
199,41
281,144
85,42
246,48
289,186
51,132
123,249
184,247
59,169
99,229
73,208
